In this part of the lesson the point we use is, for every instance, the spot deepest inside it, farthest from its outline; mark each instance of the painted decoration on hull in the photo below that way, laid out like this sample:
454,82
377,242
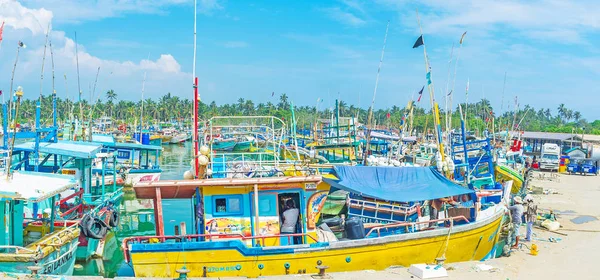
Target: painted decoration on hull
315,204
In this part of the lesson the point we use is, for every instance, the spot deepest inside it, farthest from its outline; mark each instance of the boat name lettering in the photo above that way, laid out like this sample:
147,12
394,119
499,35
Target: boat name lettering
210,269
310,186
49,269
123,154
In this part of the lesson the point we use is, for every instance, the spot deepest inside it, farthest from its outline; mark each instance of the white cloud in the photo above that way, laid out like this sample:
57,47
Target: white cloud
73,11
164,73
343,17
555,20
235,44
17,16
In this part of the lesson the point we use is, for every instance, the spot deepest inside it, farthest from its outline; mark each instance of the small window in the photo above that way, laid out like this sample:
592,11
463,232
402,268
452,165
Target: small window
221,205
227,205
264,205
234,205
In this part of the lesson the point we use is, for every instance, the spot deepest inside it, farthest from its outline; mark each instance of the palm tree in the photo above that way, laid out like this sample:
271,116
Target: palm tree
577,116
561,111
283,102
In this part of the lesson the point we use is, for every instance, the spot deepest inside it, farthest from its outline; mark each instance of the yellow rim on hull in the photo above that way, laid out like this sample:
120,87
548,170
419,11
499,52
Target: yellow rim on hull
466,242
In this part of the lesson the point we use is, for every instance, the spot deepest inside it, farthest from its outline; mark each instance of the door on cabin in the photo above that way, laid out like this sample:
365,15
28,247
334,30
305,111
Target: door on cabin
290,217
268,219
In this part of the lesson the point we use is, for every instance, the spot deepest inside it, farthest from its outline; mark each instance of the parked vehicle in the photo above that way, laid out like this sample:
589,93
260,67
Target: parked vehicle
574,166
550,157
589,167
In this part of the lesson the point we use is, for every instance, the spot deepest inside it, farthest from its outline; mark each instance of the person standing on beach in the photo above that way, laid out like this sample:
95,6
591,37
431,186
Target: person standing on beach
530,216
516,211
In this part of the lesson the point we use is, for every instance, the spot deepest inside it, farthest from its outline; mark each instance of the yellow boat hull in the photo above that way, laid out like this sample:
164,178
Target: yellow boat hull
503,174
466,242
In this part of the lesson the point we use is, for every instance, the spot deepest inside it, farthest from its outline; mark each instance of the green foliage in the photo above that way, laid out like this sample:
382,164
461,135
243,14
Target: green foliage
173,108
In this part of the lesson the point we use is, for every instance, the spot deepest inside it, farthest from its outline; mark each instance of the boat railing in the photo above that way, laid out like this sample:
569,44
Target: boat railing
17,249
242,163
413,225
378,207
78,208
209,237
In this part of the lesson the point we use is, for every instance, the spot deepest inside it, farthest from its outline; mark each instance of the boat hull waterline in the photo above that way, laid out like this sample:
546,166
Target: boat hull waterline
232,258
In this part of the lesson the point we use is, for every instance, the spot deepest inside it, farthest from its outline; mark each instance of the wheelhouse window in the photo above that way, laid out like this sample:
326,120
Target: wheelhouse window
227,205
221,204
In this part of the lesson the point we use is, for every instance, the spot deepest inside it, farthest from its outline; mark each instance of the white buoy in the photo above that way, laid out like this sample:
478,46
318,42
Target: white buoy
209,172
204,150
203,160
188,175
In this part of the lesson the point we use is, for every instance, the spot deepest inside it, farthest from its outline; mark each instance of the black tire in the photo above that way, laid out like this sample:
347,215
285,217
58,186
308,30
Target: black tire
83,224
96,228
114,219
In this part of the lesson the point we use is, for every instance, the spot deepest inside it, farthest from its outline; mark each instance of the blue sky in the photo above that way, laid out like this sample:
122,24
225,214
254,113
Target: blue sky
312,49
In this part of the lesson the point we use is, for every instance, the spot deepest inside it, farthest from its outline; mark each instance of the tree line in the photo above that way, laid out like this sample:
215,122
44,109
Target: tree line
480,115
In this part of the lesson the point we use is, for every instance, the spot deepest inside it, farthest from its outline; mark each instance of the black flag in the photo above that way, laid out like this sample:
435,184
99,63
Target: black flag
419,42
420,94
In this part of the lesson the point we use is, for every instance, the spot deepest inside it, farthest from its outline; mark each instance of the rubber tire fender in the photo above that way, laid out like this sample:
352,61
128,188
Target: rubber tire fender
96,228
113,221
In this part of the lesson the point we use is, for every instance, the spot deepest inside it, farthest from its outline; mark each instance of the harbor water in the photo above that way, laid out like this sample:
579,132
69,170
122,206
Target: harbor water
137,216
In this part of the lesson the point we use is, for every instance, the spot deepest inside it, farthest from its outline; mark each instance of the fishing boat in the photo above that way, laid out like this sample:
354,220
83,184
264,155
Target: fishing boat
224,145
238,231
179,138
30,241
134,162
244,144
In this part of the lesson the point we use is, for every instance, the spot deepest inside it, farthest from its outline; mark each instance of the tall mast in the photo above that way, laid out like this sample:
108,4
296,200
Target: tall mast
196,99
78,88
142,109
430,87
370,117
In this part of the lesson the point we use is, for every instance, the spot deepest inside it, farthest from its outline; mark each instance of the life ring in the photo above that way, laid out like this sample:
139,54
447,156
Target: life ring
113,220
94,227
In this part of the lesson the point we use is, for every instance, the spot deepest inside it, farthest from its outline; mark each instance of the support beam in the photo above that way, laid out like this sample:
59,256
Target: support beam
158,214
256,215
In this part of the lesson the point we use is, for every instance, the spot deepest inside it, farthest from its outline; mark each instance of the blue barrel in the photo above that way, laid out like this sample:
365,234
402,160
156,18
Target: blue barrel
136,136
145,138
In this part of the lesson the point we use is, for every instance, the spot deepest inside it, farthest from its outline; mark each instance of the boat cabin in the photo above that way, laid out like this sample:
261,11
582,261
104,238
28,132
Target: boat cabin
136,162
32,233
75,158
248,209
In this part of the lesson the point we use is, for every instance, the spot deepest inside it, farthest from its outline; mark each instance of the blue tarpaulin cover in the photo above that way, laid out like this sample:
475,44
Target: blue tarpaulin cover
400,184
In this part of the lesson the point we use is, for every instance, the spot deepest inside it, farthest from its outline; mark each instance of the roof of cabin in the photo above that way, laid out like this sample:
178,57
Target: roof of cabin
547,135
86,150
109,141
187,188
404,184
26,185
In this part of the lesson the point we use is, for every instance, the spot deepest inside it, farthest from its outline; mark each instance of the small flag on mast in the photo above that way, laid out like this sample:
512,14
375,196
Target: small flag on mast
428,76
1,30
462,37
420,94
419,42
272,94
449,93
